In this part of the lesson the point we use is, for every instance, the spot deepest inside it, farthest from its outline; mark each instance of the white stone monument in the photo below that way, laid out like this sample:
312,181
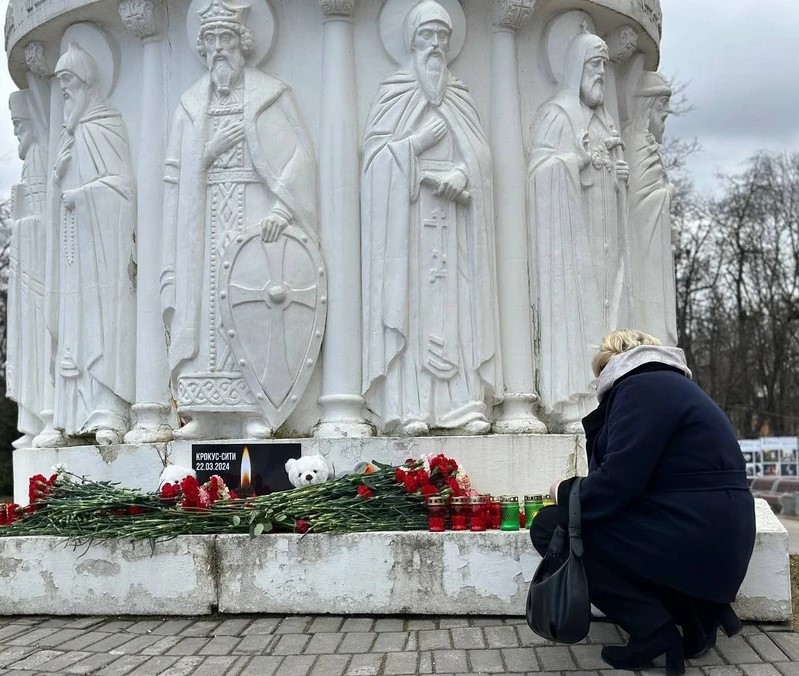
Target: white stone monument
315,230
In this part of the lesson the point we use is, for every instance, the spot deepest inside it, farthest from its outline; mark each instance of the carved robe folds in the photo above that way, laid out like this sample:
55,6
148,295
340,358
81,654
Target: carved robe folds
272,168
95,364
431,345
577,222
26,329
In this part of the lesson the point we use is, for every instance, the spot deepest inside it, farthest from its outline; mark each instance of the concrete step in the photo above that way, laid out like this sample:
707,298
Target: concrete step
417,573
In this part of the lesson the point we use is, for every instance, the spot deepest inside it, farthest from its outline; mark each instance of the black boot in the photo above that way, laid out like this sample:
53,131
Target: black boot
699,630
639,652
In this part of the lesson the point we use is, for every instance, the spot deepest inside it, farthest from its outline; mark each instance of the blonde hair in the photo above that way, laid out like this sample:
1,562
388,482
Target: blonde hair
617,342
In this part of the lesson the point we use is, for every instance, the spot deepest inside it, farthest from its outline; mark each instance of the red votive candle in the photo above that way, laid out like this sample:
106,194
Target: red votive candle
436,515
459,513
494,513
477,513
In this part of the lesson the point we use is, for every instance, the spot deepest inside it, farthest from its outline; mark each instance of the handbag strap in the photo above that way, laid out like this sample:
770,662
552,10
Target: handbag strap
575,519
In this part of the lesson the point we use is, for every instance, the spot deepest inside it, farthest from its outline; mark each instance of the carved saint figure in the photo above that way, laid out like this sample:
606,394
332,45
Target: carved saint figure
26,328
238,156
96,195
430,327
654,293
577,178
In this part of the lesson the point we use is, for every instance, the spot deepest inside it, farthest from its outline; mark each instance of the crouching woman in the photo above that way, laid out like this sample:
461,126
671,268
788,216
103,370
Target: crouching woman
668,519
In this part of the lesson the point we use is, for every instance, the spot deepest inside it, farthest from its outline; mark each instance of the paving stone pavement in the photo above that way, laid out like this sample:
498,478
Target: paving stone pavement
346,646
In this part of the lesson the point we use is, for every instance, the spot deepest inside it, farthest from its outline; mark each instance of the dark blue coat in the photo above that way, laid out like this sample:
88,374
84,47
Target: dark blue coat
666,497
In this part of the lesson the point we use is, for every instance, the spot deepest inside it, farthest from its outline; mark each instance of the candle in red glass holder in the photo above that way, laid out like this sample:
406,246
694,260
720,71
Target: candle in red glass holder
436,514
522,519
459,513
494,513
477,513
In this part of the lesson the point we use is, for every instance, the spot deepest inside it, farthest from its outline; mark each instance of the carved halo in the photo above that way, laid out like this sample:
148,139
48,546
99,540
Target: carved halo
392,27
97,43
558,34
259,19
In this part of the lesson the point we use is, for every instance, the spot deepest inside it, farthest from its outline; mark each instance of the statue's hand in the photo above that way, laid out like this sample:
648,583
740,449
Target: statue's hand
272,226
225,137
68,197
583,151
431,133
452,185
622,171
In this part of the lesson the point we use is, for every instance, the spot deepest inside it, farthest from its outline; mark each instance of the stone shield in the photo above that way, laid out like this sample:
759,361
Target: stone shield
273,304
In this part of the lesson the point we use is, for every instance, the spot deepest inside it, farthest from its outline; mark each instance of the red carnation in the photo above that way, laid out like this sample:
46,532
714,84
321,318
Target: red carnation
453,486
170,491
411,483
399,475
365,492
301,526
39,488
428,490
135,510
191,492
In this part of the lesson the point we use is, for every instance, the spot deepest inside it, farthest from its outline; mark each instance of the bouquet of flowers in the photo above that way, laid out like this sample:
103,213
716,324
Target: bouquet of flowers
388,498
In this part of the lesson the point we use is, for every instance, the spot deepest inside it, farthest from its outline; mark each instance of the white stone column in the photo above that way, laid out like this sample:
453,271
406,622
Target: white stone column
510,178
151,412
340,222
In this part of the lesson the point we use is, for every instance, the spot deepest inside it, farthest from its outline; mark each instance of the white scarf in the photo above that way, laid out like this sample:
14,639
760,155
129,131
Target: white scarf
622,364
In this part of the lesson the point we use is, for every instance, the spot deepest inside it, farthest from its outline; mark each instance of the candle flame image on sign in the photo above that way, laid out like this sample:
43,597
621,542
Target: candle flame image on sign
246,469
249,469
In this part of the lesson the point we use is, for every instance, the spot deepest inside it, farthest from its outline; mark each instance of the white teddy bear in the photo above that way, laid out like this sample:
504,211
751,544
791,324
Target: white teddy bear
307,470
174,473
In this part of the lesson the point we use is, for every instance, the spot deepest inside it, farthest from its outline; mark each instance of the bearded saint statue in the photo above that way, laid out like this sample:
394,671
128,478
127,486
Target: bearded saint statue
430,326
653,284
576,174
238,156
96,319
25,366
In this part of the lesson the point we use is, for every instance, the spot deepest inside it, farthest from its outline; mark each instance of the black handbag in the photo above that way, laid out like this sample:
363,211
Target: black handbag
558,605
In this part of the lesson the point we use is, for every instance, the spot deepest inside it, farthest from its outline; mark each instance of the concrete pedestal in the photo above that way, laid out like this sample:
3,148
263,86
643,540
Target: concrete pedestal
415,573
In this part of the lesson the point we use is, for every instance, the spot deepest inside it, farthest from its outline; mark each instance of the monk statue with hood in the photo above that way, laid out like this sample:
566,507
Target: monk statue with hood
25,369
577,176
654,291
430,327
238,156
95,324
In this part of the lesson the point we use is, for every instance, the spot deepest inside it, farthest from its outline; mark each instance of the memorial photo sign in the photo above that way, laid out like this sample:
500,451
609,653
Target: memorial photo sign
249,469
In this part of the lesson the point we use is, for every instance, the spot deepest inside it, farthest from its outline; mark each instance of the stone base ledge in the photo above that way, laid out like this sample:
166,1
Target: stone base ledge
416,573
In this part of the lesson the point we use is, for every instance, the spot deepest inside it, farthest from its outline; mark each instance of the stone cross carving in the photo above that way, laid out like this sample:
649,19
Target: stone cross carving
255,169
431,346
34,59
514,13
654,292
25,369
139,17
578,181
96,198
622,43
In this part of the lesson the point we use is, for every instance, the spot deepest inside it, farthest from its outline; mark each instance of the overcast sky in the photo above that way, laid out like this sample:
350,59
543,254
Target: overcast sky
738,57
